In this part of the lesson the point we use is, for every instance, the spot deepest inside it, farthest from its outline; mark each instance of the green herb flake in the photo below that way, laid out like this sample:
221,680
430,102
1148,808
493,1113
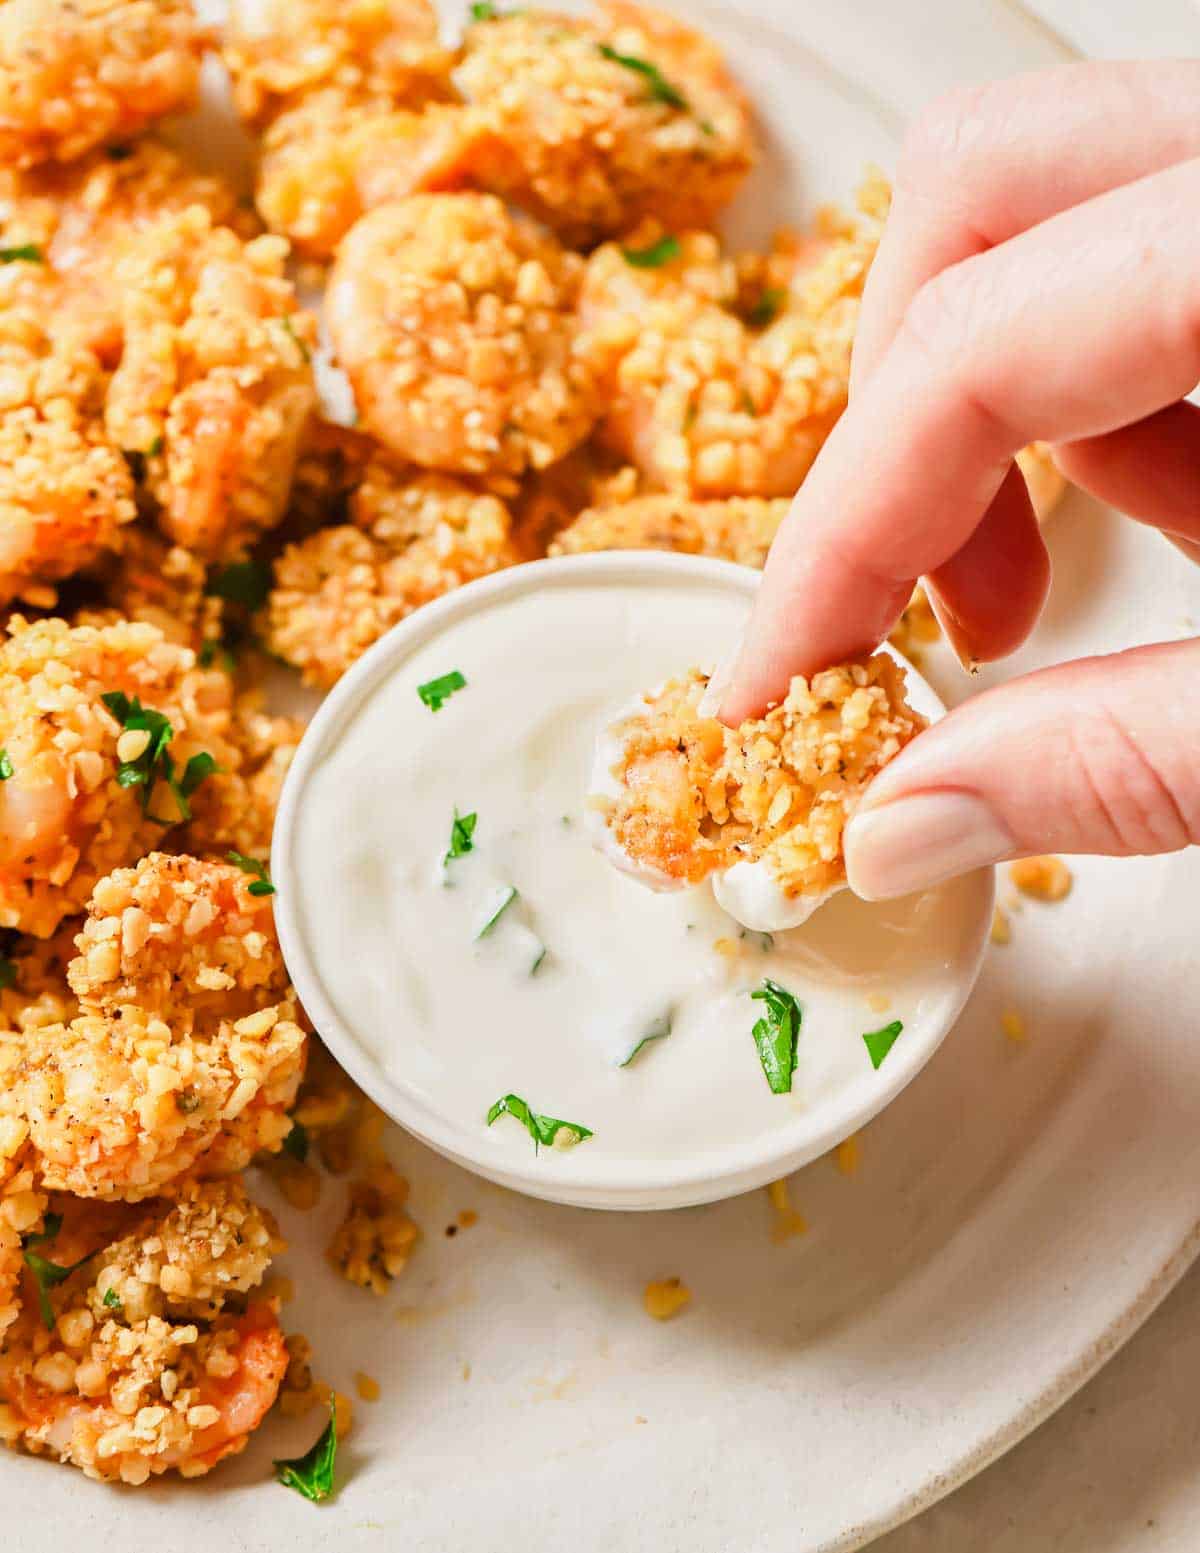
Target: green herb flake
658,1031
250,865
880,1042
155,447
296,1142
777,1035
8,972
542,1129
661,89
766,309
483,11
111,1300
462,831
436,692
155,762
6,765
655,255
214,649
539,960
28,253
290,329
242,582
509,894
46,1274
312,1473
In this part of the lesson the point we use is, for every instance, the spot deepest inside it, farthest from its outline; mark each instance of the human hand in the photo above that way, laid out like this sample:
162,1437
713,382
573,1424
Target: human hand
1039,279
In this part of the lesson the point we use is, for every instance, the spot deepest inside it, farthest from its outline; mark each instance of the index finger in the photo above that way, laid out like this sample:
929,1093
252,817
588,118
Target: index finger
1019,343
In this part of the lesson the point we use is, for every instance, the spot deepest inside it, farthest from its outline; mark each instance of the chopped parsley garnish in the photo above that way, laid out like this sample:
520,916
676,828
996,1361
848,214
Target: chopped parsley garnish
766,309
296,1142
462,830
312,1473
436,692
211,650
250,865
242,582
655,255
48,1275
290,328
155,762
542,1129
766,941
30,253
6,765
8,972
661,89
508,894
880,1042
539,958
777,1034
111,1300
658,1031
483,11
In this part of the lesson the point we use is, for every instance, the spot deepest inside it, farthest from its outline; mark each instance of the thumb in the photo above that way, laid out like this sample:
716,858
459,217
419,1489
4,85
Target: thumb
1102,755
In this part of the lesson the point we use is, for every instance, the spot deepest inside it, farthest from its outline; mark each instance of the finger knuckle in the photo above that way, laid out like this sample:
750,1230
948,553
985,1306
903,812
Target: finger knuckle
941,141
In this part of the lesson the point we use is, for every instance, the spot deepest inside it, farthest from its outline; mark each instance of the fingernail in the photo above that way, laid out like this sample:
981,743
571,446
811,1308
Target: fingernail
953,632
917,841
721,678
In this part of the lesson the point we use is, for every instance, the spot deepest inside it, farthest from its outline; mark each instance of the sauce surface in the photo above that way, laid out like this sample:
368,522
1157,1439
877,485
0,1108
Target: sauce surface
459,1016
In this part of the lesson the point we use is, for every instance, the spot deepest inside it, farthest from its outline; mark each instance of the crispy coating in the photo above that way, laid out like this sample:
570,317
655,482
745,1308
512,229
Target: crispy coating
280,51
739,529
235,810
156,1362
696,797
64,819
153,581
454,321
414,537
38,992
374,1241
707,393
22,1200
185,1054
73,76
590,144
214,387
65,493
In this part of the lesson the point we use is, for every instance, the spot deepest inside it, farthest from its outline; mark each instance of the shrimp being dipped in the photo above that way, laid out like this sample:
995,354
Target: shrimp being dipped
186,1052
214,386
593,124
678,797
713,388
454,322
78,75
413,538
66,816
159,1359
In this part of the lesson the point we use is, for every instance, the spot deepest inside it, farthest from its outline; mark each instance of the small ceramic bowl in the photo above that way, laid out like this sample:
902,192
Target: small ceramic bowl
590,1177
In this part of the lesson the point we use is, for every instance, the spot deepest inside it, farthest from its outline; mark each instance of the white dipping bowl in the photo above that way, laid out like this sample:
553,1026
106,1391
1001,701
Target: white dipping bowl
693,1168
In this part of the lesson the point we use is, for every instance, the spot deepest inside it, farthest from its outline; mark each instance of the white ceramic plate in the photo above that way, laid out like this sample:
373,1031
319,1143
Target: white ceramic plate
1018,1212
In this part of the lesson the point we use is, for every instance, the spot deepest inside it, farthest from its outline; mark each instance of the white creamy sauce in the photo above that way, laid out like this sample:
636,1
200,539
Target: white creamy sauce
460,1016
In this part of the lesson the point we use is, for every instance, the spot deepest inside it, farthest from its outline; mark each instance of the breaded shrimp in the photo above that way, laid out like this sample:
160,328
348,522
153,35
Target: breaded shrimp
65,820
592,124
75,75
65,493
414,537
279,51
739,529
22,1201
215,386
185,1054
81,216
454,321
705,399
37,991
680,797
162,584
156,1361
235,811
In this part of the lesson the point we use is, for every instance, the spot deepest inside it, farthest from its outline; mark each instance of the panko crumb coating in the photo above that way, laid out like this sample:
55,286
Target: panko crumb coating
279,51
454,321
65,492
707,393
22,1200
37,992
73,76
591,145
697,797
157,1361
215,385
739,529
186,1053
413,538
235,810
64,819
161,584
